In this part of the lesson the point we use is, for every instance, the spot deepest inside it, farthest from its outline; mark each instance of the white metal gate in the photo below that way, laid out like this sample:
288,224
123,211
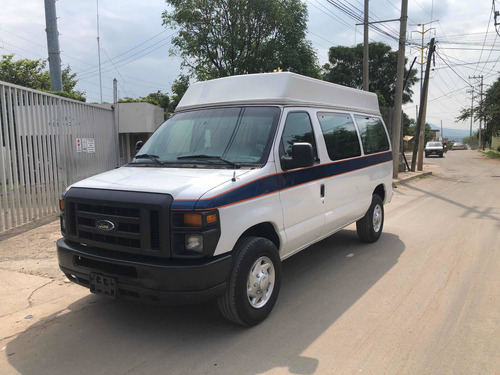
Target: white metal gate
47,143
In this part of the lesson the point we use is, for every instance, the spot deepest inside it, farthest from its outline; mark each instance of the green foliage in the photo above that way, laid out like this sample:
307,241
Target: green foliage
156,98
77,95
472,141
219,38
409,127
488,110
179,87
345,67
492,154
33,74
24,72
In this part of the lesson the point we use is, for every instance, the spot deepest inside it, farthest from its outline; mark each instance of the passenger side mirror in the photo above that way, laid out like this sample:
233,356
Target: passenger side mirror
138,146
302,156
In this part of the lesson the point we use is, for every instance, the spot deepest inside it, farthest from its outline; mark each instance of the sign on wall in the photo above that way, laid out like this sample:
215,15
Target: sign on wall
85,145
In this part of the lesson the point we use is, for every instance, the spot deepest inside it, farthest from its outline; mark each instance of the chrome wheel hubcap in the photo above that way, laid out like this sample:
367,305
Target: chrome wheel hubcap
377,218
260,283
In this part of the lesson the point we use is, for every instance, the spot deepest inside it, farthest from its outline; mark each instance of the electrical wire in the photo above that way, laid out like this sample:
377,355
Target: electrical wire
486,35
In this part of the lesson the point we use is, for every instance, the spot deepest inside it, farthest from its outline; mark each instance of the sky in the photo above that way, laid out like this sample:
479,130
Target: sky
135,47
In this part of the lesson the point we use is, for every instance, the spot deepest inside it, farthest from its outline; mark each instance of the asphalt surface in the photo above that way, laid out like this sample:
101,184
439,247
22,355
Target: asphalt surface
424,299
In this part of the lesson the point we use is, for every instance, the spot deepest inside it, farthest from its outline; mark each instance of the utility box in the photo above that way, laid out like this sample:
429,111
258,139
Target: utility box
136,122
139,117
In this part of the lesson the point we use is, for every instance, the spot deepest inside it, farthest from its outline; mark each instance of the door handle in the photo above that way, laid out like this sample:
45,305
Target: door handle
322,190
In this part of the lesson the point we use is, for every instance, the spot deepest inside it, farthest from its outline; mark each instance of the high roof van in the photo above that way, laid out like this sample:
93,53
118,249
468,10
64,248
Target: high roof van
248,171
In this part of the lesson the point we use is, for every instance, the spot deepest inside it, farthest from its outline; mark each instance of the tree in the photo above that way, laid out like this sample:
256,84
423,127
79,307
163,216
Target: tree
345,67
219,38
158,99
488,110
180,86
33,74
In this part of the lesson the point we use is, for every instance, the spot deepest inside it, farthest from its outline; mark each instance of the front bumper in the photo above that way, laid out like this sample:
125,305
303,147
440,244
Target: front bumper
149,279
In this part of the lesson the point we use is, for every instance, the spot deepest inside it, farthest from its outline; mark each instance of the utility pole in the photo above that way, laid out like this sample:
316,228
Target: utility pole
116,122
471,92
398,100
420,129
480,109
422,48
53,46
366,78
99,51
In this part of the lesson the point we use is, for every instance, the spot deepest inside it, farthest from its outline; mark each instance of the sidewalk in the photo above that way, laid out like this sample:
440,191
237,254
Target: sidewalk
428,169
409,176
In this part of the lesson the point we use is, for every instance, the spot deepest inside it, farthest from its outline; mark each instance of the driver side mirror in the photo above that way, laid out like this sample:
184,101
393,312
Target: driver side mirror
138,146
302,156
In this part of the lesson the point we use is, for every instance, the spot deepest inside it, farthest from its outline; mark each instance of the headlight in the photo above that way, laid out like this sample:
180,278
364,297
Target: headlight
195,233
194,242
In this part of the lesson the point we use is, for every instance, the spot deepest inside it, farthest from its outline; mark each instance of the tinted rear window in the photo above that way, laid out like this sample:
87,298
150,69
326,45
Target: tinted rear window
340,135
373,134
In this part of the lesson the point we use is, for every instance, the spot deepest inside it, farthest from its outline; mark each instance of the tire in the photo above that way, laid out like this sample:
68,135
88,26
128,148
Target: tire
370,227
441,155
254,284
426,155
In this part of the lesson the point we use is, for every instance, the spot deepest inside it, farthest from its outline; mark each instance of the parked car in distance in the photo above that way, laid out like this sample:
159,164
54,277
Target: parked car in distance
458,146
434,148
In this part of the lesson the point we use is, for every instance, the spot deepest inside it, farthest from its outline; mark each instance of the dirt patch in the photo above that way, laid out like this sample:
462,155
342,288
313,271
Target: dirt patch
33,252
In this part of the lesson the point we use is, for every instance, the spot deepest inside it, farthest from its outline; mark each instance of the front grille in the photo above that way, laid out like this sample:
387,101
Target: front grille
128,222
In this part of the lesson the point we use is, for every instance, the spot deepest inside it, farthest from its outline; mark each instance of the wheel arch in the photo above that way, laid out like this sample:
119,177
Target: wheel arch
265,230
380,191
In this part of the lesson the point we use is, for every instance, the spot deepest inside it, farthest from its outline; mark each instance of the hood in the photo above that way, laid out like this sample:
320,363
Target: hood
181,183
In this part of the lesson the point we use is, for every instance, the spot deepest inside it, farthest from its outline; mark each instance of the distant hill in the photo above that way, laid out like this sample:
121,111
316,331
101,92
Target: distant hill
452,134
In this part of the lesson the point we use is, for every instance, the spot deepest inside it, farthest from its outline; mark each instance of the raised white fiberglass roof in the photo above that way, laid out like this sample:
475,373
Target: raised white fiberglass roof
282,88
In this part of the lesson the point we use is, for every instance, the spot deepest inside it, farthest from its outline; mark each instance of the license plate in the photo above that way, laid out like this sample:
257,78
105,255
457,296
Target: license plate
104,285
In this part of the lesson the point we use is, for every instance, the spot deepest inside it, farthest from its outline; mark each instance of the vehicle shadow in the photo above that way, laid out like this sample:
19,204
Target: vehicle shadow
100,336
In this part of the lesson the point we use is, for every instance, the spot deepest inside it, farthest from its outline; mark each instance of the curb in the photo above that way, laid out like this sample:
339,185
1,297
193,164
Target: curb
398,181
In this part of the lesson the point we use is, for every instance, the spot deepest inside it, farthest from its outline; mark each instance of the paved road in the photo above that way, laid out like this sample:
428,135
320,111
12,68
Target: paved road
425,299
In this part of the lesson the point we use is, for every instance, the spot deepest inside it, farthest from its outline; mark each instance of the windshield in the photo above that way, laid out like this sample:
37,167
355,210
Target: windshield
434,144
227,136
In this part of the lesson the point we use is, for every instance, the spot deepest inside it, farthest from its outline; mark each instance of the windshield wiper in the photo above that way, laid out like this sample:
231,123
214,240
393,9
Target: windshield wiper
203,156
155,158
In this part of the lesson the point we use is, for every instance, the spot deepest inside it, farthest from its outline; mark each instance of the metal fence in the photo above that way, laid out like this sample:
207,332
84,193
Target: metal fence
47,143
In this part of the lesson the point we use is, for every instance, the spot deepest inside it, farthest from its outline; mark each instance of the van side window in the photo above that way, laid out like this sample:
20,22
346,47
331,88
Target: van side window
298,129
373,135
340,135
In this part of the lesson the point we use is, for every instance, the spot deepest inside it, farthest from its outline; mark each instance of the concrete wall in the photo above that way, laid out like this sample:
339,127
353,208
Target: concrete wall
139,117
495,143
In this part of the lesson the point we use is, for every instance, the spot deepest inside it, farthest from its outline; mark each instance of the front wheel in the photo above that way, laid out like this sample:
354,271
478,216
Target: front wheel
369,227
254,283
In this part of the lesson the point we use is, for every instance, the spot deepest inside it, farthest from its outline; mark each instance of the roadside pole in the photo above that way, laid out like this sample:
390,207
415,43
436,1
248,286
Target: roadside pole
398,102
420,129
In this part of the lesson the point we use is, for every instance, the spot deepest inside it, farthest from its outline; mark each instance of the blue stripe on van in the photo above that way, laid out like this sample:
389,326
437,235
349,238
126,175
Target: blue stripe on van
274,183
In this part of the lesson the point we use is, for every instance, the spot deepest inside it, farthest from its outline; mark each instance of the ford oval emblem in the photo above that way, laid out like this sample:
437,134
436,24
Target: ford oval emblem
105,225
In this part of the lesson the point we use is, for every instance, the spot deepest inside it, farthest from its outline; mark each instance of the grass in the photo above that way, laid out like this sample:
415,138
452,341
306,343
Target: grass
492,154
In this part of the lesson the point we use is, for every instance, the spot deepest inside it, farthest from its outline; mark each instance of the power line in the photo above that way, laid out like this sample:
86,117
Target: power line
486,35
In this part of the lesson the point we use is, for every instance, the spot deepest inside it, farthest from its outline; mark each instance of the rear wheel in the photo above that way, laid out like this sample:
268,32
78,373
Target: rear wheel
254,283
369,227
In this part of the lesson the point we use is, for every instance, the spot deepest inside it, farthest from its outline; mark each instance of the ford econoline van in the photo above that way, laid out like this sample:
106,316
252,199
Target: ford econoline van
247,172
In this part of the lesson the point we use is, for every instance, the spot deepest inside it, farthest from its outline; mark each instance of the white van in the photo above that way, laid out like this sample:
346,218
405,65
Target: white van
248,171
